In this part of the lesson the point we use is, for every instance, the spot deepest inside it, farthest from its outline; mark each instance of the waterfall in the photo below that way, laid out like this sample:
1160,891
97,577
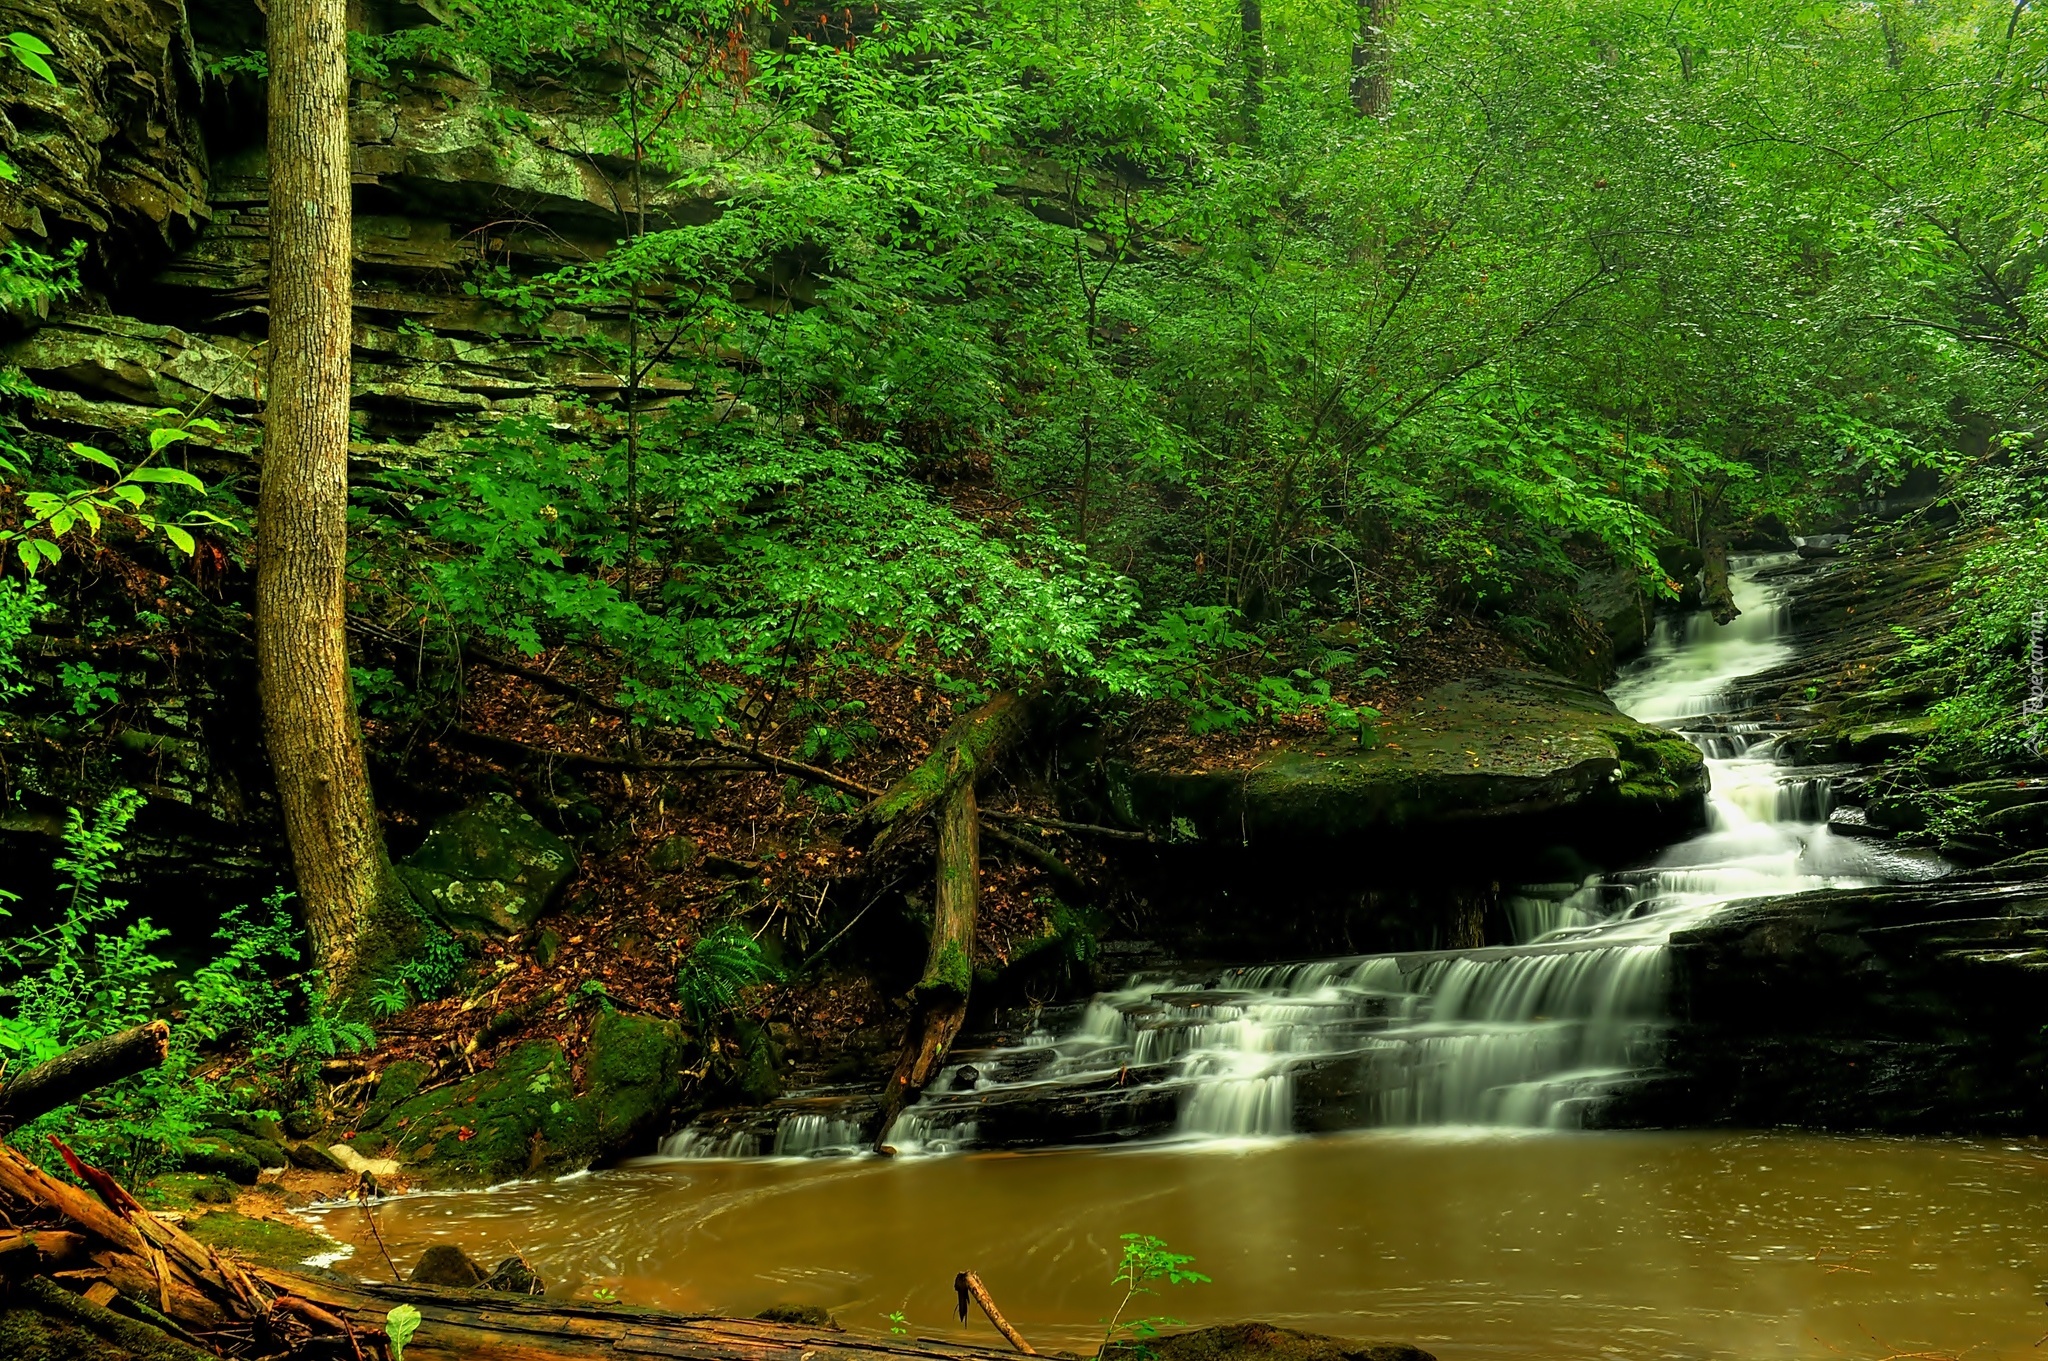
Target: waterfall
1531,1034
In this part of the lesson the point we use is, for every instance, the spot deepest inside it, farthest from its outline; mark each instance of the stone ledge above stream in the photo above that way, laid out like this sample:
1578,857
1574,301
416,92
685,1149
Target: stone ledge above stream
1523,750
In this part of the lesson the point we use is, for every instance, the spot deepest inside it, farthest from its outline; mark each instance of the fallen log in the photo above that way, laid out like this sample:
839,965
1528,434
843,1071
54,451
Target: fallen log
969,749
64,1079
478,1325
941,994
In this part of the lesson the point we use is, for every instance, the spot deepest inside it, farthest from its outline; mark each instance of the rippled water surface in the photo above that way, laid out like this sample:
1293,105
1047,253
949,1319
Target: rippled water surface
1480,1244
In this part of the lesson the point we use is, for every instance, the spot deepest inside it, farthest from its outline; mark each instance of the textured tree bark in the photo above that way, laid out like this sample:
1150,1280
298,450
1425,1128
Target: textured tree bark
81,1069
1370,93
1251,24
352,900
1715,592
949,966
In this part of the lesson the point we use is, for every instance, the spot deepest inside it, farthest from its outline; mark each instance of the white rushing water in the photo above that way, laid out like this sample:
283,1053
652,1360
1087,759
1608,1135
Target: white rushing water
1521,1035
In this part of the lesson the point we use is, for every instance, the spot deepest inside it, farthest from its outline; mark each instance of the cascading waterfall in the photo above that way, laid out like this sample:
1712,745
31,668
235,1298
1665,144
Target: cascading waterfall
1528,1034
1525,1035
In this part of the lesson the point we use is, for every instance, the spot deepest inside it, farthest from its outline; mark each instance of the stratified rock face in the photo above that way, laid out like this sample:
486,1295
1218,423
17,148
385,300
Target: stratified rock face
113,153
488,870
1473,757
1261,1342
1913,1009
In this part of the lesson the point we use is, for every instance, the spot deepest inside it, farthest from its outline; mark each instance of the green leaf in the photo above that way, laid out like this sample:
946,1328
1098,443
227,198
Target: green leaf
92,455
179,537
160,440
399,1325
29,42
36,64
176,477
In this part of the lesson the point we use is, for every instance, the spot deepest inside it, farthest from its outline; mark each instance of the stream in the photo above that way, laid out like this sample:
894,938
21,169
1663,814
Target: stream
1453,1200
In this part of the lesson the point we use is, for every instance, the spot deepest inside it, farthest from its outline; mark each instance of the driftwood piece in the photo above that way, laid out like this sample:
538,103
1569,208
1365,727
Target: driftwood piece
478,1325
142,1257
968,1286
78,1070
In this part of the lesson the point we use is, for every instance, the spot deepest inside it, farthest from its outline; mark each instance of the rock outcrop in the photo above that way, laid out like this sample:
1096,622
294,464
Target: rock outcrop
490,870
1474,758
1910,1009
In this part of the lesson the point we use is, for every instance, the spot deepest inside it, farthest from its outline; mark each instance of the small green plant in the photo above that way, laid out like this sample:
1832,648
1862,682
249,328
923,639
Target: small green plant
718,968
89,689
604,1294
399,1326
897,1325
1145,1263
54,514
33,53
388,997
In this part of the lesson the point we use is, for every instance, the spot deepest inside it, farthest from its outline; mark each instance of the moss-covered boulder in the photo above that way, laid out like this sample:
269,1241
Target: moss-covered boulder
1474,754
219,1157
528,1115
488,870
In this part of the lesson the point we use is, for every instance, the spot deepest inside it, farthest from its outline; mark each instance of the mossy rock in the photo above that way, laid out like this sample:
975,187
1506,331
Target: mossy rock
266,1152
1259,1342
182,1190
489,870
1476,753
632,1074
395,1085
218,1157
270,1242
524,1115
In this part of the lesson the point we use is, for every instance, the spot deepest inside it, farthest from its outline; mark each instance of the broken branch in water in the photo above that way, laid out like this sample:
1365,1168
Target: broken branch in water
968,1286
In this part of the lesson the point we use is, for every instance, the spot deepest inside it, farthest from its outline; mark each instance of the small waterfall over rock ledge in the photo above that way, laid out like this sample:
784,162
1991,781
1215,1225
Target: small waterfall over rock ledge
1533,1034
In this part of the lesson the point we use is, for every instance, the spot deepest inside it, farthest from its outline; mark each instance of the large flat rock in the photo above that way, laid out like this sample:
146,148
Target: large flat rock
1475,754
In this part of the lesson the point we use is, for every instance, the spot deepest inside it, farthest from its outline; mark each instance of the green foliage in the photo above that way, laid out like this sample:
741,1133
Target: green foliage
428,973
1146,1262
32,52
58,504
719,967
95,971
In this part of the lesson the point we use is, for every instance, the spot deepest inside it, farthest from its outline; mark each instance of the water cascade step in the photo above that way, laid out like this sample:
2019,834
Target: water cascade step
1533,1034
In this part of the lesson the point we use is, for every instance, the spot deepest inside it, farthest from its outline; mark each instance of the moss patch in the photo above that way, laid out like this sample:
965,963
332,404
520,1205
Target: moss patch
182,1190
271,1242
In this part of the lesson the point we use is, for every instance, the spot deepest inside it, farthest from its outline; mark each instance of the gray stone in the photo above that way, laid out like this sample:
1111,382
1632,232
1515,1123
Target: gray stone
488,870
447,1265
1258,1342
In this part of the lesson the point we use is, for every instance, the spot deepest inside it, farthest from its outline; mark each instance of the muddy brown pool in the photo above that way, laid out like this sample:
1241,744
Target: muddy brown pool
1483,1245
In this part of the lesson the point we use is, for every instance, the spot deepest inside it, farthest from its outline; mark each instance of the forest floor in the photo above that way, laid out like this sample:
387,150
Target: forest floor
676,853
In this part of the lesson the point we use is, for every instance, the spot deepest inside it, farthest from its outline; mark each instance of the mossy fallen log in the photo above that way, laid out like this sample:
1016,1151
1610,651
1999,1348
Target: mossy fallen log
969,749
81,1069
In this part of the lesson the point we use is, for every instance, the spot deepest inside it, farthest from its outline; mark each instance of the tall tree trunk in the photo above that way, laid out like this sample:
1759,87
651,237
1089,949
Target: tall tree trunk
1251,23
1370,50
351,897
